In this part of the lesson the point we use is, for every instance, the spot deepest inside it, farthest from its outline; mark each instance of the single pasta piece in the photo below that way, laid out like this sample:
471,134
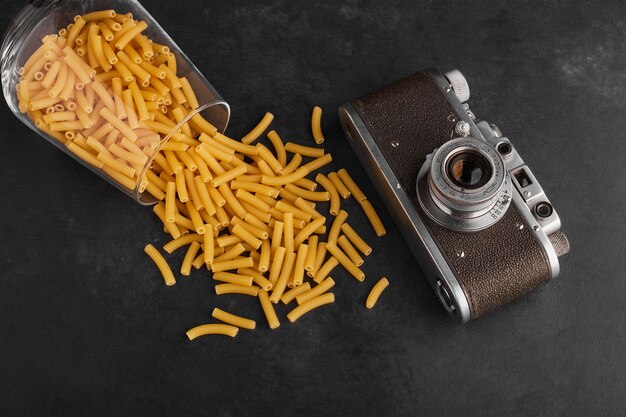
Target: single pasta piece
304,150
309,305
333,234
285,273
234,320
356,239
318,290
257,278
231,278
236,289
298,269
232,264
372,216
189,257
205,329
268,310
374,294
161,263
209,246
259,129
311,253
290,295
277,263
335,203
325,269
351,185
279,147
316,125
172,245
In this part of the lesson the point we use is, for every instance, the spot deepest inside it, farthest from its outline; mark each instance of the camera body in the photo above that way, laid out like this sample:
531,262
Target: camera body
470,209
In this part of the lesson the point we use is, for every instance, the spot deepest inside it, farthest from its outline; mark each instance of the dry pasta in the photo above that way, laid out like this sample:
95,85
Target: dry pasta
233,320
250,215
374,294
205,329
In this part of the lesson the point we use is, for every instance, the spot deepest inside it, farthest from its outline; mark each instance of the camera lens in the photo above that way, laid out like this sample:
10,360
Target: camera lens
469,169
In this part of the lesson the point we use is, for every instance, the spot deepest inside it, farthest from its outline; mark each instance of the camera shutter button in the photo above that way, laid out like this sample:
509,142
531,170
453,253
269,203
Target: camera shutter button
459,84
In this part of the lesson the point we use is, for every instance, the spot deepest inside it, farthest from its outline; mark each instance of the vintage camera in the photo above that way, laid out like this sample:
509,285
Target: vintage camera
472,212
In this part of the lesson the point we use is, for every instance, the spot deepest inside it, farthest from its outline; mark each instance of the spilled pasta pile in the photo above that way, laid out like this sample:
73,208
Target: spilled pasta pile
248,214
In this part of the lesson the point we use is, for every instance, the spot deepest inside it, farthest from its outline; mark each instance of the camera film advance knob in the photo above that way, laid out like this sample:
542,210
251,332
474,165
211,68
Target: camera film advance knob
459,84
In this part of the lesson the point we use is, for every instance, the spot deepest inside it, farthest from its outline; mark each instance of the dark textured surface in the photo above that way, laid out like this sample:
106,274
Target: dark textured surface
88,328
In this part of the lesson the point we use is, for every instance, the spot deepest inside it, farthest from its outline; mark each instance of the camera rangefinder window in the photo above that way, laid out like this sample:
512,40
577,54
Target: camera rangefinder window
469,169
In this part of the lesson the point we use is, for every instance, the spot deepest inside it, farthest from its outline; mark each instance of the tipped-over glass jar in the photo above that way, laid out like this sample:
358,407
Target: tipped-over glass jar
102,81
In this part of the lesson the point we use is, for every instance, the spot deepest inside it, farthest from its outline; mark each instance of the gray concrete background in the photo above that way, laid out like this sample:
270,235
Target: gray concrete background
88,328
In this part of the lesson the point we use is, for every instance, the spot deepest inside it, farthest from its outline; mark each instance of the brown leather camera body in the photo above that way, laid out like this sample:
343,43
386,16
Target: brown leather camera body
408,120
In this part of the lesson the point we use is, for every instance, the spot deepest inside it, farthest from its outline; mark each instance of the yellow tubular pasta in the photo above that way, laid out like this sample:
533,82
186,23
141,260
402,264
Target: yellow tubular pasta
161,263
111,162
286,179
257,277
235,145
171,228
196,219
231,278
189,94
264,262
140,103
51,75
269,157
372,216
325,269
232,201
318,163
96,45
60,82
208,245
277,235
232,264
192,190
339,185
231,253
307,208
246,236
279,147
374,294
181,187
72,34
309,305
319,259
206,329
87,157
228,175
141,74
316,125
356,239
283,278
298,268
318,290
254,187
129,35
243,195
333,234
221,289
173,162
311,253
203,169
259,129
345,261
291,295
308,231
189,257
112,118
203,195
170,205
233,320
99,15
217,198
292,165
349,250
172,245
268,310
351,185
277,263
309,195
70,84
304,150
288,232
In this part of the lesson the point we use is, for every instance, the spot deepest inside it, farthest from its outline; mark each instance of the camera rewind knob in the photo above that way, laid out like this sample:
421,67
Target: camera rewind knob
459,84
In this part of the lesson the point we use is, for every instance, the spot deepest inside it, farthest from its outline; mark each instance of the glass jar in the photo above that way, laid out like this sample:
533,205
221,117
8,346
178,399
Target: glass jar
104,87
